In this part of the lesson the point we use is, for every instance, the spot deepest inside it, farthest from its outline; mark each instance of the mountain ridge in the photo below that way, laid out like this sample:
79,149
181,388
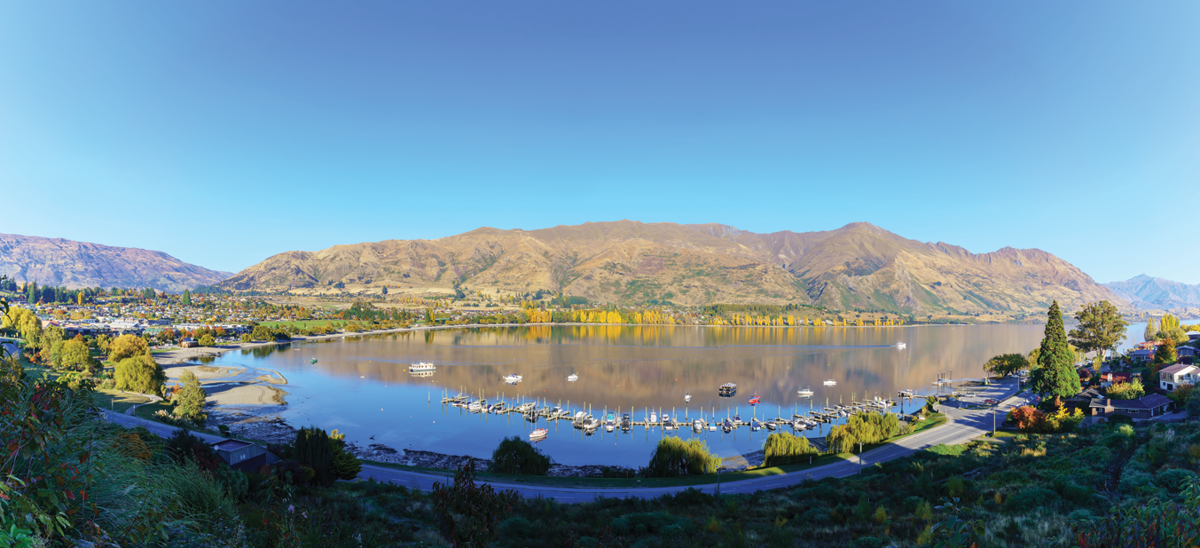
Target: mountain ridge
1148,292
858,265
74,264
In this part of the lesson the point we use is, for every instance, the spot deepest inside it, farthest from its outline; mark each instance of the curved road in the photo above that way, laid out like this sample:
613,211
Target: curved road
963,425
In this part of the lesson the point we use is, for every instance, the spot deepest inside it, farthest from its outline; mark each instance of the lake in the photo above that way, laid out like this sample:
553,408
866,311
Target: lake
362,386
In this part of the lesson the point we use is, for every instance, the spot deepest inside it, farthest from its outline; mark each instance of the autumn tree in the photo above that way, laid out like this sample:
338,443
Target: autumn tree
1151,331
76,356
189,400
1165,353
1101,327
1055,375
127,346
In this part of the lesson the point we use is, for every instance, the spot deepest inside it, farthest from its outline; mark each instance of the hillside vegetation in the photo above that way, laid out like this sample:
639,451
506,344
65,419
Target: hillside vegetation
857,266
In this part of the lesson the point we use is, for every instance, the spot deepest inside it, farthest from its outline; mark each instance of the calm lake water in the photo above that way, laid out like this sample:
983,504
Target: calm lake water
362,387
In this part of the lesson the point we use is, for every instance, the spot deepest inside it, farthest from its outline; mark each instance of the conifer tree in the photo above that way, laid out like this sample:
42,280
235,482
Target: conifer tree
1055,376
187,298
312,450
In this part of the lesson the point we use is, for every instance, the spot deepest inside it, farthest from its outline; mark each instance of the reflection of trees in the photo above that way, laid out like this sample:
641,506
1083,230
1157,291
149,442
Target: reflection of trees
655,365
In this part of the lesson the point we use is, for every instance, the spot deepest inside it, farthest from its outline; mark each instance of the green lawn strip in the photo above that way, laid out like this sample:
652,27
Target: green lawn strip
305,324
115,400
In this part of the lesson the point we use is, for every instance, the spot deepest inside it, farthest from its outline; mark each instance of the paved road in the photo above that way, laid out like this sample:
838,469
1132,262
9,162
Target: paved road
964,425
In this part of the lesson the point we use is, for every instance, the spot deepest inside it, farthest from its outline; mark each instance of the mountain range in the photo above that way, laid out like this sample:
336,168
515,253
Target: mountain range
1146,292
59,262
857,266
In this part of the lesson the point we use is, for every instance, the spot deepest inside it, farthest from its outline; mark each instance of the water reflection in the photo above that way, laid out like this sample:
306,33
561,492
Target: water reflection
364,385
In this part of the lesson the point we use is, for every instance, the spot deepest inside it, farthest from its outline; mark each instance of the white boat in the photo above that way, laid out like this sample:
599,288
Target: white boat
422,366
901,345
698,425
538,434
687,398
572,378
512,378
712,427
805,393
653,417
830,382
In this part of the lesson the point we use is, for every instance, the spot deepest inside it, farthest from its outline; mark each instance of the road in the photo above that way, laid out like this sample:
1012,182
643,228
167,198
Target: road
963,425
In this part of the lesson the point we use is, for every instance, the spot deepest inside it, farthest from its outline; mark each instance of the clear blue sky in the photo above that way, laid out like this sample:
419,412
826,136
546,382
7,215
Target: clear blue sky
225,132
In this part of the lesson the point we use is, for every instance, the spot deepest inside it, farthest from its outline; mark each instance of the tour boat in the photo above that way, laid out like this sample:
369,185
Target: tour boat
538,434
805,393
572,378
512,378
830,382
687,398
901,345
754,400
727,390
422,366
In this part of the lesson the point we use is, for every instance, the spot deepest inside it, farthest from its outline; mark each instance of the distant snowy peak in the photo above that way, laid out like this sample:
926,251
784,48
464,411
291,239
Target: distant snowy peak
1150,292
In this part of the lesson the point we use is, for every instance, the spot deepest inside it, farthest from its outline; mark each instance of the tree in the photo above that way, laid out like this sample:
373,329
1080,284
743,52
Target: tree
1055,375
312,450
127,346
1151,331
140,374
76,356
383,291
187,298
345,466
1005,364
207,340
1127,390
261,333
189,400
1165,353
1101,327
516,456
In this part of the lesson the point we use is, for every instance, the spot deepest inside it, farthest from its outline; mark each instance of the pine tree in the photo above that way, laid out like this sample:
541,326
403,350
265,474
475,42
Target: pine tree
187,298
312,450
1055,376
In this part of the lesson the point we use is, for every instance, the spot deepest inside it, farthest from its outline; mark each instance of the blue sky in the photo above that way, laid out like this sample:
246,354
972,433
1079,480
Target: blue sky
223,133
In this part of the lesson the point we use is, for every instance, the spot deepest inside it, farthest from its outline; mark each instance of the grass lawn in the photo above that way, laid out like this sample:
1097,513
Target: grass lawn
932,421
147,411
116,400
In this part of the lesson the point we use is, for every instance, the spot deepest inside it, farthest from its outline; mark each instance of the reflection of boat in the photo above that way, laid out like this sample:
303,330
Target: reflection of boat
830,382
805,393
754,400
901,345
512,378
423,366
538,434
421,373
727,390
573,378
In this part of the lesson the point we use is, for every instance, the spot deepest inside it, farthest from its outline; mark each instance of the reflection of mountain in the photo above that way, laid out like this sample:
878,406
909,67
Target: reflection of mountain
655,365
856,266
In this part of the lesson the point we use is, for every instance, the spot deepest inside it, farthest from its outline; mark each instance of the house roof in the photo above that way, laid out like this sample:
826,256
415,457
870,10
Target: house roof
230,445
1142,352
1152,401
1177,368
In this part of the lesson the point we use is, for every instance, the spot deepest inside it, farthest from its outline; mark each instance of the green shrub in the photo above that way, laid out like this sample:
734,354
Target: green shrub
1174,480
785,448
947,450
516,456
675,457
1030,498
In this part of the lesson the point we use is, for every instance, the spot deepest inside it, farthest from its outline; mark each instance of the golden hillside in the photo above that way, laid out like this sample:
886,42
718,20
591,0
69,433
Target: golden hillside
856,266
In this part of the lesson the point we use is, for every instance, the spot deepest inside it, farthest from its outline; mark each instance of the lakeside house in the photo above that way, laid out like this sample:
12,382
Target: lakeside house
243,455
1145,407
1172,377
188,343
1142,355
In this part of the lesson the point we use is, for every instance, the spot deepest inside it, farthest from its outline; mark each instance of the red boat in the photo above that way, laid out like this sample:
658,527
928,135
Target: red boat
754,400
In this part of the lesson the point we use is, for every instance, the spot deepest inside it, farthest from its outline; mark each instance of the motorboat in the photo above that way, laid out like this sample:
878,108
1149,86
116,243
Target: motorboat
513,378
421,367
653,417
610,422
477,406
572,377
805,393
712,427
755,426
698,425
538,434
727,390
590,423
314,360
901,345
626,422
770,425
830,382
668,424
687,398
754,400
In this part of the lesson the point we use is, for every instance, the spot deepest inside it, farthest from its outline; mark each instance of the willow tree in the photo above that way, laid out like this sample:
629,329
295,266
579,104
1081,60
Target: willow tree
1055,376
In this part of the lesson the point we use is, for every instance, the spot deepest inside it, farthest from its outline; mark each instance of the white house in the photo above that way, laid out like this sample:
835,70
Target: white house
1171,377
